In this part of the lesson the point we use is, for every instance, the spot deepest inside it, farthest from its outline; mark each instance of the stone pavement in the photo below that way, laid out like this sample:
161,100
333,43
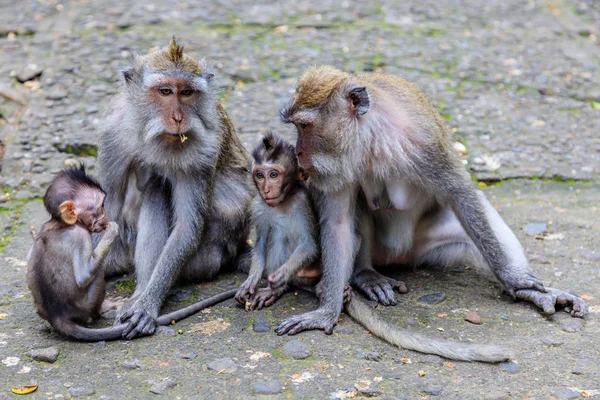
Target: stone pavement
519,83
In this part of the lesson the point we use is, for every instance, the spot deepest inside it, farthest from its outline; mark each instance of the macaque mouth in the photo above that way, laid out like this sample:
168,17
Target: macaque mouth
274,200
177,137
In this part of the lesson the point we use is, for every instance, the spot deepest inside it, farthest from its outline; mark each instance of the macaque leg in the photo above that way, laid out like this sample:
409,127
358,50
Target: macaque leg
375,286
338,244
153,232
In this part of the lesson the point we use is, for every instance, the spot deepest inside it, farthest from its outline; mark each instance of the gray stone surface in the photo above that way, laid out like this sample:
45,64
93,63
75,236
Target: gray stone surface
268,387
49,354
296,349
515,80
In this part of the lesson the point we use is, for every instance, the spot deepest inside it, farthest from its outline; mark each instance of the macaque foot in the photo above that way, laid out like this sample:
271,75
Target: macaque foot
378,287
551,298
138,319
318,319
265,297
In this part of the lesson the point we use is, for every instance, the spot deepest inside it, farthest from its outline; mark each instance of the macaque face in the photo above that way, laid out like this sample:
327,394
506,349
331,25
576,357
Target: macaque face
90,210
270,180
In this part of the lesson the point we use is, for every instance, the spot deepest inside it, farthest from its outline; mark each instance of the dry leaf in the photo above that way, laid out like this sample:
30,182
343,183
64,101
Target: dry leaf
258,355
24,389
3,315
406,361
377,379
440,329
450,364
340,366
421,373
583,296
442,315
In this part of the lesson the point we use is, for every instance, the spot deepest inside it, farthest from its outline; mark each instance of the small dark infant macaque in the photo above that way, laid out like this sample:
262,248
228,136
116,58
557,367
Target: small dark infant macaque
64,271
286,248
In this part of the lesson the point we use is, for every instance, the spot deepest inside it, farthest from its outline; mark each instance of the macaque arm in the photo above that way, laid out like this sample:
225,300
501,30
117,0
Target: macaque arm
87,263
336,213
182,241
115,169
259,257
303,255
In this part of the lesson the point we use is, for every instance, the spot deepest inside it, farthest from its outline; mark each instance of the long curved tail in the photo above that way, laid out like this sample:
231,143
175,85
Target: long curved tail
81,333
366,316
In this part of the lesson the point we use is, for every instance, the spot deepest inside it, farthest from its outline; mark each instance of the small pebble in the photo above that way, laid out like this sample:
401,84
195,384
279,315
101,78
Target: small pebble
268,387
296,349
187,356
535,228
260,325
552,341
432,299
565,393
55,95
432,391
131,364
223,365
588,254
48,354
496,395
180,295
81,392
99,345
162,386
368,355
473,318
510,367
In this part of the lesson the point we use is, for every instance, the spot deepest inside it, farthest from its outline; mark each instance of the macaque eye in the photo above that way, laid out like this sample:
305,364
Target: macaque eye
260,175
273,174
165,91
302,125
186,92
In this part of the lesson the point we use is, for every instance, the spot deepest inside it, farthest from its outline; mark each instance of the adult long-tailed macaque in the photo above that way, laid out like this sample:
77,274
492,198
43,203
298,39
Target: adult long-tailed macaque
287,250
354,129
66,274
168,136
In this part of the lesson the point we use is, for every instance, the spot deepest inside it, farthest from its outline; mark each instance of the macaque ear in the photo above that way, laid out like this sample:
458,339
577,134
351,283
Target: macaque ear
128,74
208,76
302,175
359,98
68,212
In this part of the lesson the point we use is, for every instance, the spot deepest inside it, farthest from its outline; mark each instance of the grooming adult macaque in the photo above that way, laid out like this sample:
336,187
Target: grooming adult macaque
286,231
362,128
286,248
65,273
167,136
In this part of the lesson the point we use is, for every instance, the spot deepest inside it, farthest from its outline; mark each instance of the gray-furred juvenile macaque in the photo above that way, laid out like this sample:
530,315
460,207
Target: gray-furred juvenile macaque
168,142
66,274
286,231
354,129
287,250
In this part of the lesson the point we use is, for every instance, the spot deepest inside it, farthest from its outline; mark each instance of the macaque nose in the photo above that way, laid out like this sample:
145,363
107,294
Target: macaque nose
298,154
178,117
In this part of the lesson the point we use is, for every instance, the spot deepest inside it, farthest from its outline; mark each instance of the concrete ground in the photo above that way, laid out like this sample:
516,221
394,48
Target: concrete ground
519,83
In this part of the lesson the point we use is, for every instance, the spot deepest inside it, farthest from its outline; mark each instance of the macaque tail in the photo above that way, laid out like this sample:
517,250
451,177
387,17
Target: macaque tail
194,308
80,333
366,316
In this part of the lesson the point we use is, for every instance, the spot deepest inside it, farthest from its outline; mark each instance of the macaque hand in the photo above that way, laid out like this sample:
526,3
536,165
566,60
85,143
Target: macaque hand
547,301
378,287
246,290
140,321
111,231
265,297
319,319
